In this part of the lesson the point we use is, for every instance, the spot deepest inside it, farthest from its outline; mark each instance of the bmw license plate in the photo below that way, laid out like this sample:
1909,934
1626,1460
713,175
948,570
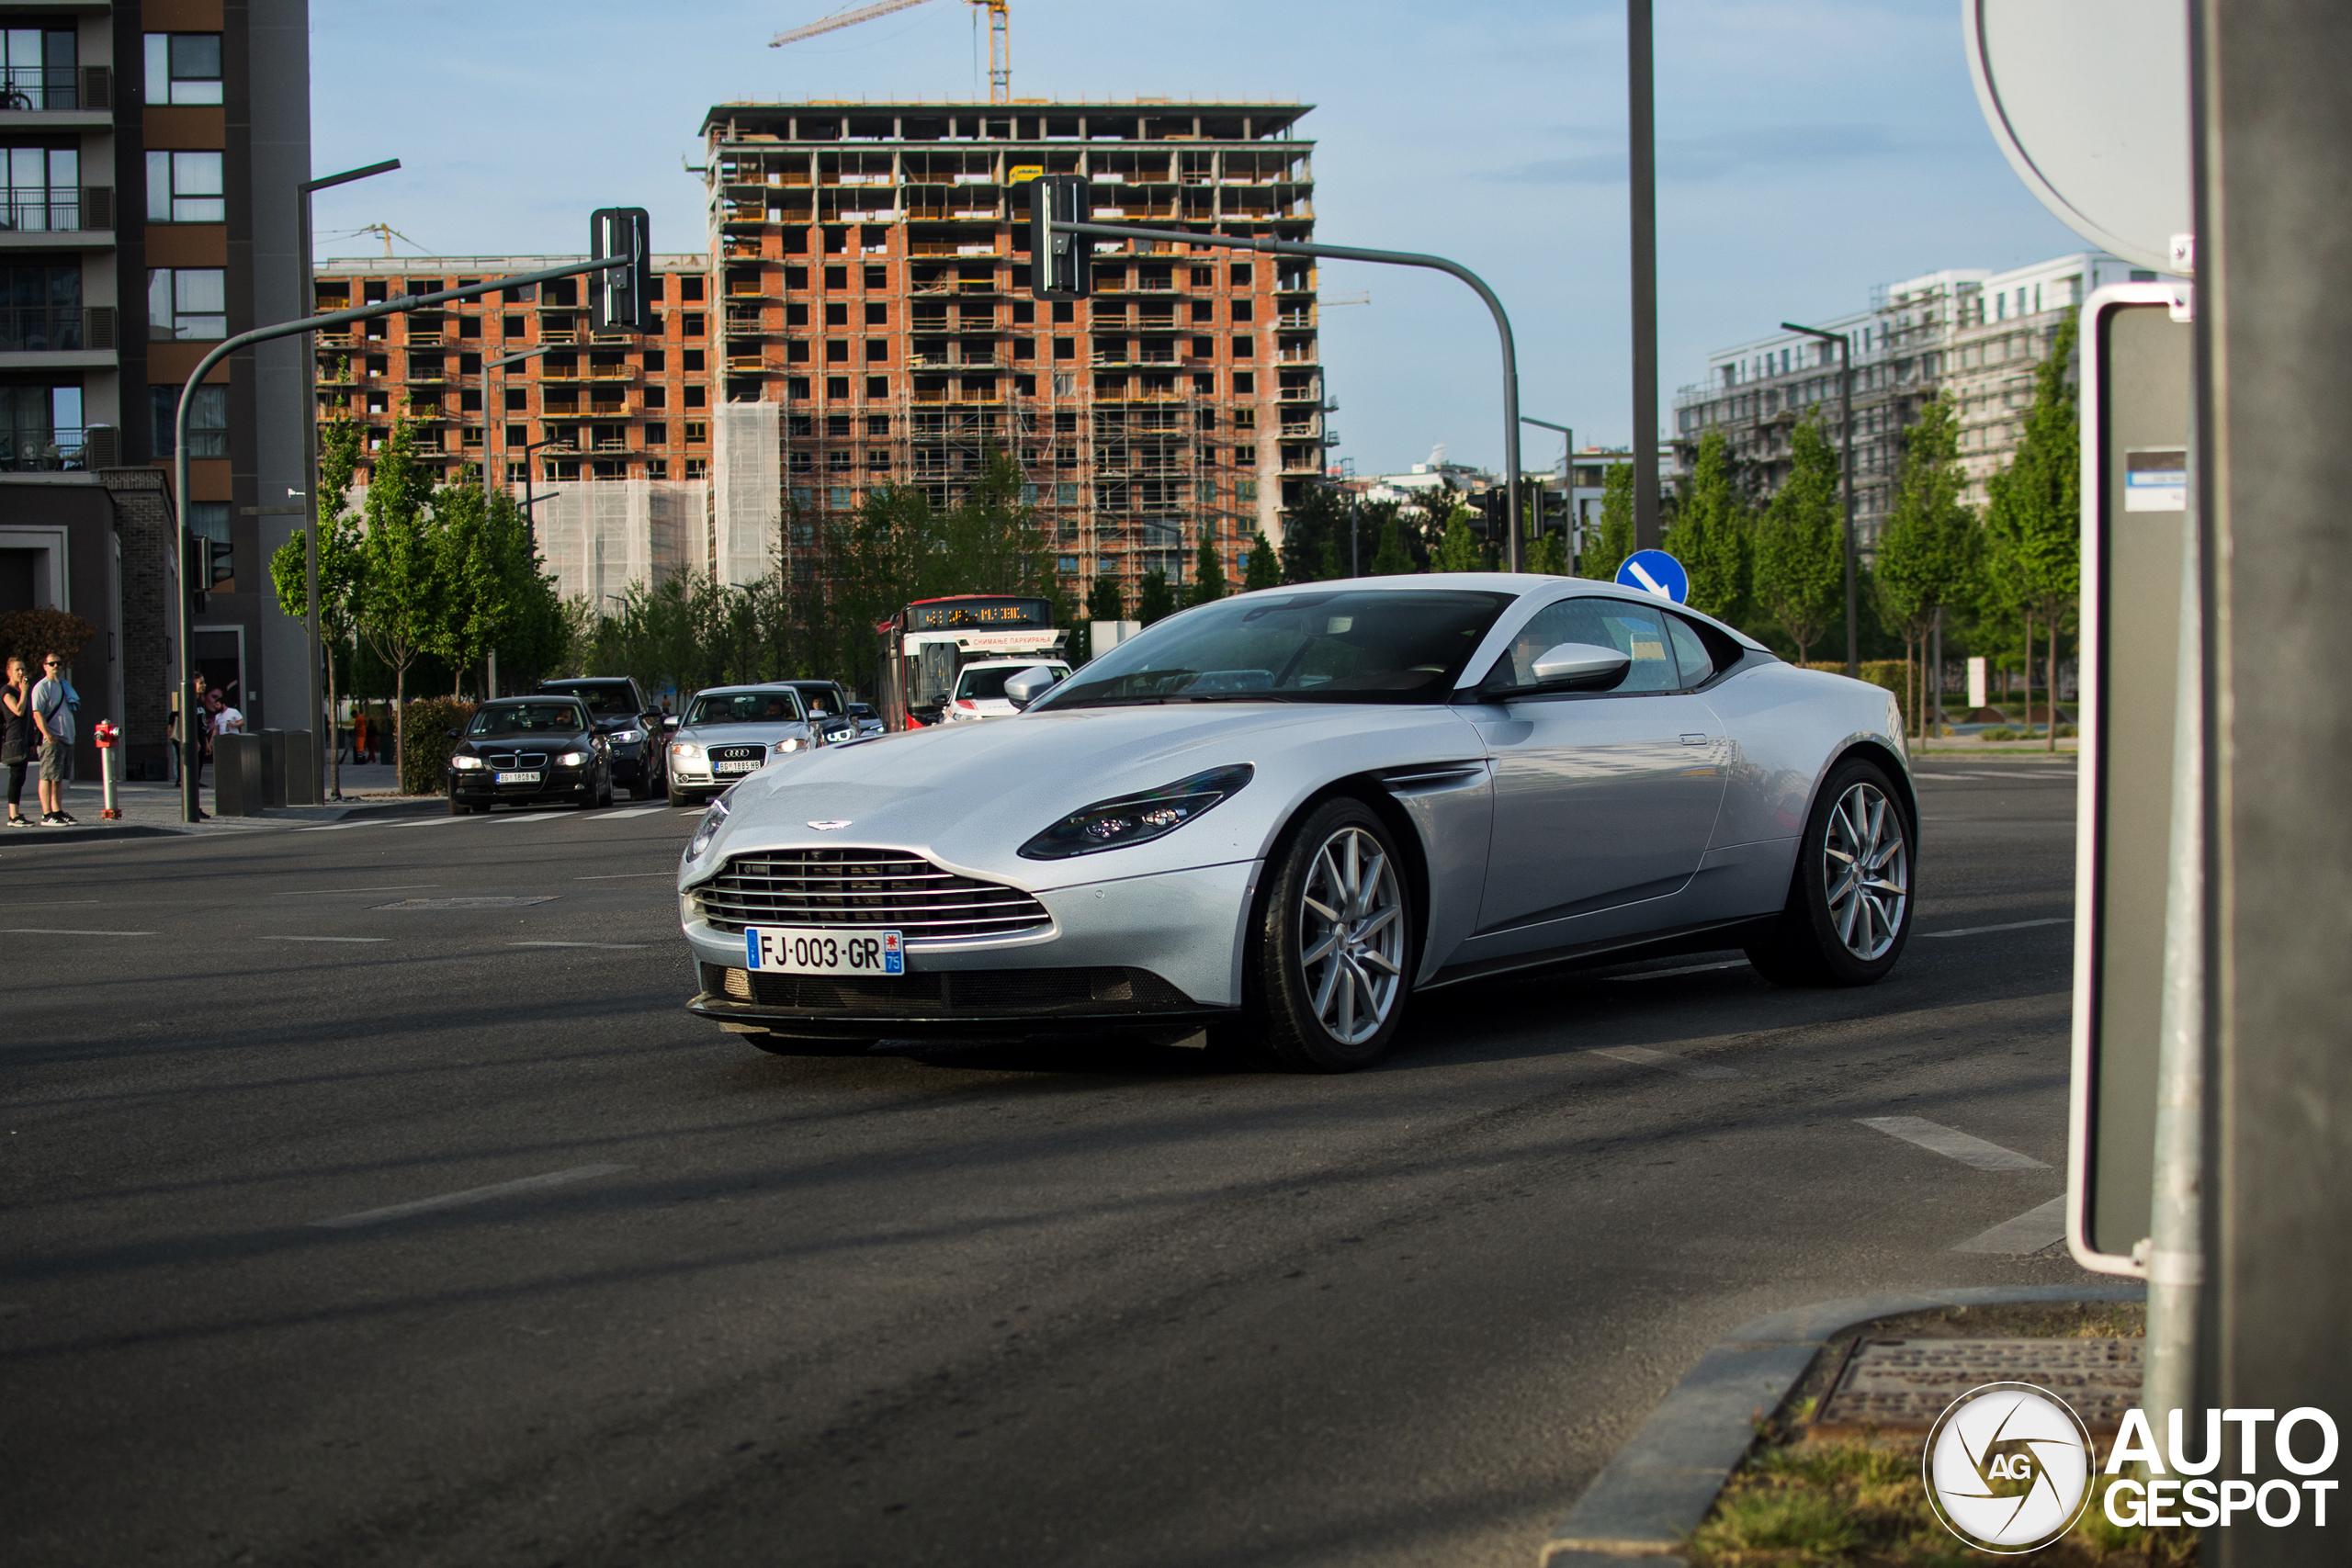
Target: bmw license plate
746,766
803,950
518,778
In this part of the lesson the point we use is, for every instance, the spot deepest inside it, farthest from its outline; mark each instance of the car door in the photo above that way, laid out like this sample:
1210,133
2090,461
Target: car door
1602,798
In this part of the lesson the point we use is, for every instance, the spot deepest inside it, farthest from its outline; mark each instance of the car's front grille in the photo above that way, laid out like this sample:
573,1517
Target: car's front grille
888,888
518,760
738,753
962,993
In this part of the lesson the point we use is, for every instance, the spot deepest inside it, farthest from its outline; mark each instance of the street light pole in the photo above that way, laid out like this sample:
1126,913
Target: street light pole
1845,463
304,191
1641,116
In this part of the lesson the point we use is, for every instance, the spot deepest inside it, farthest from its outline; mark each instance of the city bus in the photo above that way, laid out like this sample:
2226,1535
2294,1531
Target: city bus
925,644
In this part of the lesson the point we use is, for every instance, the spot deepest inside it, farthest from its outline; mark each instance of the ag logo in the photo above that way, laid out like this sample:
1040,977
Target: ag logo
2009,1467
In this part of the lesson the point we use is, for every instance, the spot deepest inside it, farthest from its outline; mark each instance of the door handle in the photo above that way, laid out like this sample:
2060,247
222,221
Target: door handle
1694,740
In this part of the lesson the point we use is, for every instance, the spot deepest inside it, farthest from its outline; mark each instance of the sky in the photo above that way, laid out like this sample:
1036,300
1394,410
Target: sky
1807,150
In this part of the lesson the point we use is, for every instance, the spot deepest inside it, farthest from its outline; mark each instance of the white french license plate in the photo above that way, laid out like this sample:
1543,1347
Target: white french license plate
802,950
518,778
746,766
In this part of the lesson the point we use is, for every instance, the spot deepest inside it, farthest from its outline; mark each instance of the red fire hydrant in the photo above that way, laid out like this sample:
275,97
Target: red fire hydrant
109,753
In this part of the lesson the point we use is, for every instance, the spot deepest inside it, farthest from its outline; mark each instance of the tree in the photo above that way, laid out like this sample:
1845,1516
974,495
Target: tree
1391,559
339,569
2033,512
477,585
1549,555
1208,574
1157,601
1105,601
399,606
1313,536
1459,549
1927,548
1710,535
1264,568
1605,550
1801,548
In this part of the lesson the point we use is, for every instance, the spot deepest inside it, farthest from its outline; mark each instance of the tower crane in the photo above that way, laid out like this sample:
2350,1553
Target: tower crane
999,35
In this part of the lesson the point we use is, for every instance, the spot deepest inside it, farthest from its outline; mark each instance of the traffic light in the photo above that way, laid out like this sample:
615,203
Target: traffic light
1061,263
196,573
620,299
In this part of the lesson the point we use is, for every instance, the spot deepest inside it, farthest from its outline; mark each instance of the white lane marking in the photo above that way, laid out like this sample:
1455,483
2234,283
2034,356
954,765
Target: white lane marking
323,892
575,944
471,1195
620,875
60,931
1951,1143
1687,969
2030,1231
625,816
325,939
2011,926
1642,1056
1916,773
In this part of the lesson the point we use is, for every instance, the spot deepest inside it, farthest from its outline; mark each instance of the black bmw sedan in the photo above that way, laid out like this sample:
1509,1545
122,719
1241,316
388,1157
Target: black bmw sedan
529,751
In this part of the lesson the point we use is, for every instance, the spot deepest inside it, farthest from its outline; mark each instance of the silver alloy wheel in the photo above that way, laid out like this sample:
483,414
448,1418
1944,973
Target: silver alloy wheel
1351,936
1866,867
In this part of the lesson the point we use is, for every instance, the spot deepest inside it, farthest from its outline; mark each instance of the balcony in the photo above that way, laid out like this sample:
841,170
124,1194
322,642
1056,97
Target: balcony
25,214
54,89
57,328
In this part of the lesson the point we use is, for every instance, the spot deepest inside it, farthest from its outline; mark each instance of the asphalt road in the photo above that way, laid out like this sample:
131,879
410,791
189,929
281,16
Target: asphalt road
1097,1305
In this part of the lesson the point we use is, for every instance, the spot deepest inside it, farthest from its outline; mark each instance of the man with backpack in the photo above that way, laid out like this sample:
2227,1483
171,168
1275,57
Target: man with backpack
53,717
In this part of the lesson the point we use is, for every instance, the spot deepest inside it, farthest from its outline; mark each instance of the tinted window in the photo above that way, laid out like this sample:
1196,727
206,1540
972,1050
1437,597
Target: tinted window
744,707
1630,628
1329,647
1690,653
983,686
605,702
529,719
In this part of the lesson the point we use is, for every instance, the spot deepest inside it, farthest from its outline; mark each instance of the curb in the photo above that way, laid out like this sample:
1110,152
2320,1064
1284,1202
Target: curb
87,832
1649,1497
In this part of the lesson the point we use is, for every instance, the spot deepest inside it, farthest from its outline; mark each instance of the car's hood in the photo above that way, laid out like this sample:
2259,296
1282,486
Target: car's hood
763,734
969,795
536,741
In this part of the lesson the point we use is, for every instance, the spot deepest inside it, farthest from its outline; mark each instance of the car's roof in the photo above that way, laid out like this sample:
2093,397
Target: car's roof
746,691
570,681
527,697
1515,583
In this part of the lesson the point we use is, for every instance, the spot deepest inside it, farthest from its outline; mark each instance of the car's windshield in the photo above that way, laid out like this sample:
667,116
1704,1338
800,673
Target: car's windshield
744,707
605,701
528,718
986,685
1332,645
821,700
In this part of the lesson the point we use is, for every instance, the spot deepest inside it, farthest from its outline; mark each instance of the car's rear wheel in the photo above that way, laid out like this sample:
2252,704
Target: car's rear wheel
1334,940
1848,914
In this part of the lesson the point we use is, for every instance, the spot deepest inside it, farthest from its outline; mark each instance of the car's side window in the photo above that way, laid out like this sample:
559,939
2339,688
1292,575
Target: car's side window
1634,629
1703,651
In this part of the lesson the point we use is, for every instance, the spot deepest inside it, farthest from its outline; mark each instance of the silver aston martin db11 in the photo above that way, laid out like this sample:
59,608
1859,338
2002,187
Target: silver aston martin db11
1276,816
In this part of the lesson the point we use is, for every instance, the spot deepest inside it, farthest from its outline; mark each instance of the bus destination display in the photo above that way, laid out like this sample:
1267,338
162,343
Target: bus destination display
979,613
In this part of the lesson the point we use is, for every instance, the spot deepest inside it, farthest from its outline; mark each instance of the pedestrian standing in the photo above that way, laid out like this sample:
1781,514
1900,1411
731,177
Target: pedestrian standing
16,736
53,717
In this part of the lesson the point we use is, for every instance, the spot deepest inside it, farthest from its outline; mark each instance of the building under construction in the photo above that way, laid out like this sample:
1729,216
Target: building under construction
877,328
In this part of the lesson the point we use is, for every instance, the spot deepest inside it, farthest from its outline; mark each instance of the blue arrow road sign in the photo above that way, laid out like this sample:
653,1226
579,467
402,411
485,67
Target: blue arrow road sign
1654,571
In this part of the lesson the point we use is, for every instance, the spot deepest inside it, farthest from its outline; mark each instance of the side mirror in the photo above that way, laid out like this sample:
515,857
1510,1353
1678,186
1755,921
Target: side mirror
1575,667
1026,687
669,722
455,733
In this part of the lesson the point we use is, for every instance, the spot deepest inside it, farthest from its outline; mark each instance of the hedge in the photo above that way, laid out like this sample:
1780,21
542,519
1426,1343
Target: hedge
1891,674
425,744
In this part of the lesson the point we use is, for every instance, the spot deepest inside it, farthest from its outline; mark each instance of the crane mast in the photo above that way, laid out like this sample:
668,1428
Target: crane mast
1000,35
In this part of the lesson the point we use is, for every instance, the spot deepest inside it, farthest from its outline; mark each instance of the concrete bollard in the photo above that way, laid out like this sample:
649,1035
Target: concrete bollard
301,771
273,766
236,775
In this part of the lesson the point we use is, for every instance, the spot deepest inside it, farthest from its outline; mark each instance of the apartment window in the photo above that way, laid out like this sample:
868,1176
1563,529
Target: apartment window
43,190
693,327
694,397
1242,274
36,68
837,386
1065,348
877,386
698,467
877,349
657,434
182,68
1244,385
837,277
877,277
878,315
186,188
837,353
697,432
657,397
188,302
40,308
657,468
691,360
207,421
1066,494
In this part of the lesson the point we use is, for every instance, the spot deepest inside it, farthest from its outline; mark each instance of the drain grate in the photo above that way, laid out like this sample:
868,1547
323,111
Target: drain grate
507,903
1901,1385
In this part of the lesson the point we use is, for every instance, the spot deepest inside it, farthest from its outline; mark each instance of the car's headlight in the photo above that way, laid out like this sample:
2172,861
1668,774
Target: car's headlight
572,760
628,736
1136,818
707,828
464,762
789,743
685,751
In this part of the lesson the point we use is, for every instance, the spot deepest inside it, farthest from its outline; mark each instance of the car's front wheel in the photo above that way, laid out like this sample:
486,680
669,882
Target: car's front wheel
1849,913
1333,942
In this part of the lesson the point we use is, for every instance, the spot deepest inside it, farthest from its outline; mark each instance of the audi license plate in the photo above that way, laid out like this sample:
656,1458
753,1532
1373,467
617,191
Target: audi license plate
518,778
748,765
804,949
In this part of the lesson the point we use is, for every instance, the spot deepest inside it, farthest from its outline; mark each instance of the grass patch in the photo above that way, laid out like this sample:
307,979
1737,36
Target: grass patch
1861,1505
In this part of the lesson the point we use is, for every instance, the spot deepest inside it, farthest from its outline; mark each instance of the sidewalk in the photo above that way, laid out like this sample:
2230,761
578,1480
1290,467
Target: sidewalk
151,810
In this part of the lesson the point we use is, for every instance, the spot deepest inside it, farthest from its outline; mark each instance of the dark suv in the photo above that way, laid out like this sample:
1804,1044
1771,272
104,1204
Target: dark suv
631,728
